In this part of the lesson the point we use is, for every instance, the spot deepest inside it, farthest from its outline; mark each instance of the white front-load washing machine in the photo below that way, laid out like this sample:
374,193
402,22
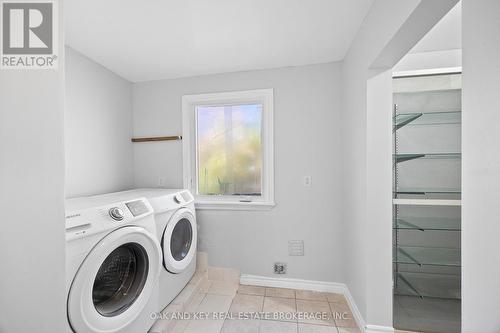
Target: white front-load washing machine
177,230
113,261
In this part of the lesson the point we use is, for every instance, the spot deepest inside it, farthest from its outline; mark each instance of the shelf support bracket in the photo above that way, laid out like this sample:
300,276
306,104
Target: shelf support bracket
415,290
410,224
405,122
410,256
408,157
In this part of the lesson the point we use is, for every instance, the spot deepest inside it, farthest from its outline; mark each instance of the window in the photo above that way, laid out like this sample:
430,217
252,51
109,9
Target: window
228,149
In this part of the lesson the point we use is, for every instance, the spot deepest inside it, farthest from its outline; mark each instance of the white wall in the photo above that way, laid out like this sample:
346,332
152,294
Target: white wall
445,35
32,200
375,32
430,60
440,48
307,142
378,224
98,127
380,43
481,167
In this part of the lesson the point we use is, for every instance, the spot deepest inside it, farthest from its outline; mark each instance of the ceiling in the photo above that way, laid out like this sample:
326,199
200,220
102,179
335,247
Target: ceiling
160,39
445,35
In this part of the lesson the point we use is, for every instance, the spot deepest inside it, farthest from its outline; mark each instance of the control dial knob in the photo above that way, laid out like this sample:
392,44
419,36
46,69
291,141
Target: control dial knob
178,198
116,213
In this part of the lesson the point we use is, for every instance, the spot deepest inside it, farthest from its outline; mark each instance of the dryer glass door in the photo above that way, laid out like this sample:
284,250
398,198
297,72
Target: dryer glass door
179,241
182,237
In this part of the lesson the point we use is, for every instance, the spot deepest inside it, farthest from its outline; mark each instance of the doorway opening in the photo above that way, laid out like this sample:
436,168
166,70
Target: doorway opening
426,201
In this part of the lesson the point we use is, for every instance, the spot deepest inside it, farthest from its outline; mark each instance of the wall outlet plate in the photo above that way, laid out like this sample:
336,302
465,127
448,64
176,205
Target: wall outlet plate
279,268
295,247
161,181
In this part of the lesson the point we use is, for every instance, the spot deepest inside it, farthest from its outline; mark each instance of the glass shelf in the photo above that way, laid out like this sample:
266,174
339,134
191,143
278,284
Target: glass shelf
436,118
427,223
432,256
426,196
425,191
403,157
427,118
427,285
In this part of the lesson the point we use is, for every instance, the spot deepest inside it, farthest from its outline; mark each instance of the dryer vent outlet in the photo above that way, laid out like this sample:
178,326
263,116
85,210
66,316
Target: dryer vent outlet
279,268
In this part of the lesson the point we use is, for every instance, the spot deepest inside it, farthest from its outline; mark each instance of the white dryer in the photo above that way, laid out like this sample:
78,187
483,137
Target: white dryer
113,261
177,229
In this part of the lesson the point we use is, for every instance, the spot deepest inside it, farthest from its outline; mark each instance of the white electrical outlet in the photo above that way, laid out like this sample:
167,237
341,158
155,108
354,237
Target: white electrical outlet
307,181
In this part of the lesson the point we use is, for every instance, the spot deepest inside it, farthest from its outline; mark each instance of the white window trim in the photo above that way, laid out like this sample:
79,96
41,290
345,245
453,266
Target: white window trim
189,103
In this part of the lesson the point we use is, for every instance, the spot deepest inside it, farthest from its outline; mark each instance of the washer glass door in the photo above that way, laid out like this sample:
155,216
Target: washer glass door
115,281
120,279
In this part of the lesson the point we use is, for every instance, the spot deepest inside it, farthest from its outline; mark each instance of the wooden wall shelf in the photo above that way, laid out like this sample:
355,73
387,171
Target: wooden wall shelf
158,138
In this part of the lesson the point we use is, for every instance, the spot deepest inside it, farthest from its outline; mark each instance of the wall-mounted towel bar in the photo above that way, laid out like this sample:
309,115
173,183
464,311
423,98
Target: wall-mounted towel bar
158,138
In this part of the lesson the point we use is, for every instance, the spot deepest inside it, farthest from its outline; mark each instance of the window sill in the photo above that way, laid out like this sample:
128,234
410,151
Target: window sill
248,206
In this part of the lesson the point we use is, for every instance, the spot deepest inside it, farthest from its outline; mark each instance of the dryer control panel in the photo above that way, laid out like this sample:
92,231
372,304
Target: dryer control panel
183,198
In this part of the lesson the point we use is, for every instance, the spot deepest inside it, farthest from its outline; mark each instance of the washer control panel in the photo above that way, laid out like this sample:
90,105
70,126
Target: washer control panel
85,220
137,207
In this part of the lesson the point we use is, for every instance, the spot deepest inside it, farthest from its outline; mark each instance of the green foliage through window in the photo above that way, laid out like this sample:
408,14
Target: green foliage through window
229,149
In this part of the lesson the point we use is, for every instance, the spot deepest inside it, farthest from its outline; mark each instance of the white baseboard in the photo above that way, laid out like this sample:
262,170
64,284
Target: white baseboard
331,287
355,311
378,329
264,281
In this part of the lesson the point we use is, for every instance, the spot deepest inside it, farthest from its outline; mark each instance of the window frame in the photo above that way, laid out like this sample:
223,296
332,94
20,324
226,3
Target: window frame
190,154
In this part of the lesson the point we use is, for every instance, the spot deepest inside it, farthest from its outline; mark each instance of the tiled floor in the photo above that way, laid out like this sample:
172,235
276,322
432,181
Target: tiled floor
332,312
215,293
